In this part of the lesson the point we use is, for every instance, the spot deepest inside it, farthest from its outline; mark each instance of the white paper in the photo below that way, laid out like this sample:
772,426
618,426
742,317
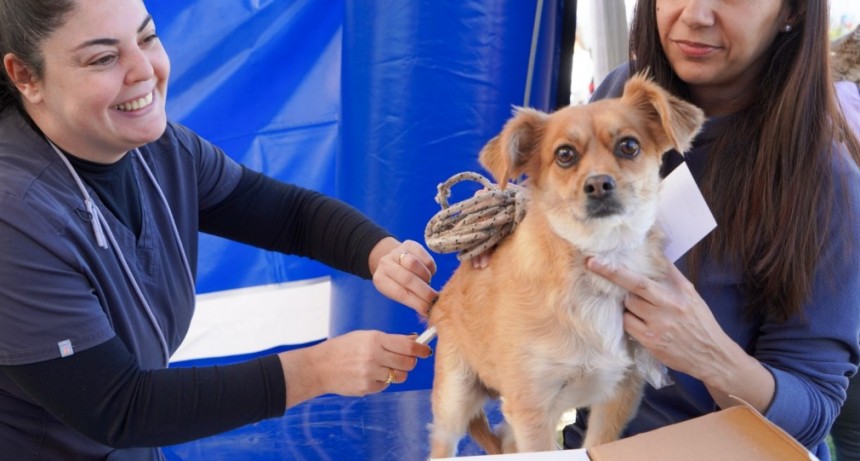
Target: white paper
682,213
560,455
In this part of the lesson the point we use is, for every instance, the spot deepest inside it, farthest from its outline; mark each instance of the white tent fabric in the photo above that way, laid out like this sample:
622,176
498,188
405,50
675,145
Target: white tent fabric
250,320
609,36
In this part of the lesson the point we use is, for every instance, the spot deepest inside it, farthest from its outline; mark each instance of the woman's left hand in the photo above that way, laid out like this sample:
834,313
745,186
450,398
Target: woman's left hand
677,327
402,272
669,318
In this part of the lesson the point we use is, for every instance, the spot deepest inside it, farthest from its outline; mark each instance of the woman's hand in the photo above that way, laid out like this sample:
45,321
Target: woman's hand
668,318
482,260
677,327
402,272
354,364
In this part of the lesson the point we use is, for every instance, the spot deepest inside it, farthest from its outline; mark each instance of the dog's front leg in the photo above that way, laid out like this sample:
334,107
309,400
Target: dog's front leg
531,425
457,398
607,420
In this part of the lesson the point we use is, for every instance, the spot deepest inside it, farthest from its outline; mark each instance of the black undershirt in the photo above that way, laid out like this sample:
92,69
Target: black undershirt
116,186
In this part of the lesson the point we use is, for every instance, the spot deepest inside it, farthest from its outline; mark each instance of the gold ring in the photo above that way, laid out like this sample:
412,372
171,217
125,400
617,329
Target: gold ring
390,377
400,260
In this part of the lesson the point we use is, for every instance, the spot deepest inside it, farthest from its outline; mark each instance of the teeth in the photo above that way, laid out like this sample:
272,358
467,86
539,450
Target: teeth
137,104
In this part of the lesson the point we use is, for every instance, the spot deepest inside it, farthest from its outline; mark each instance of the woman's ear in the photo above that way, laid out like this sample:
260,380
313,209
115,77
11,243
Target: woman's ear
789,15
23,78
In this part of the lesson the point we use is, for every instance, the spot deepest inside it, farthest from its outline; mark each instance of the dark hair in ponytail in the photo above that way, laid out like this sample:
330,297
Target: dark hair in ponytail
24,24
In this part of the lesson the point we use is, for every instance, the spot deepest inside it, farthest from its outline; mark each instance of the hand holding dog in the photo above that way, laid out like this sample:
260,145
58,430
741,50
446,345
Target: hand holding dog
402,272
671,320
354,364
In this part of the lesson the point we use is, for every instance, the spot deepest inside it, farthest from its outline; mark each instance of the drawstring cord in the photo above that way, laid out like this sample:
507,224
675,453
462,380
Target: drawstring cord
91,208
100,225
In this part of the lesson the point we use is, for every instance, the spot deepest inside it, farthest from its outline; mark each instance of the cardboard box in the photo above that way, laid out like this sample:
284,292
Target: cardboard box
738,433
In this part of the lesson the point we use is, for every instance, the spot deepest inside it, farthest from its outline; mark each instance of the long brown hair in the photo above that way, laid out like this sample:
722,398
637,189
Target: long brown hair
769,179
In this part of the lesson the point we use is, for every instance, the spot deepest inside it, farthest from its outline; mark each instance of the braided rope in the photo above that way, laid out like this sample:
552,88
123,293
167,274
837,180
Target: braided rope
474,225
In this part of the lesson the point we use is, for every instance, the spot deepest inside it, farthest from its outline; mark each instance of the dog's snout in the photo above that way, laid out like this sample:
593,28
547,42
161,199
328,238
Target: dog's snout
599,185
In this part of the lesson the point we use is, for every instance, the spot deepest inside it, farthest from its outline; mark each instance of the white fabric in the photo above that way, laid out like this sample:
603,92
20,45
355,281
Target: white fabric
255,319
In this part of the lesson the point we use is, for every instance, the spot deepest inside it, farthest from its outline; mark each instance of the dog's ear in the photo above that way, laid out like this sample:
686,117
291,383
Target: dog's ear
680,120
506,155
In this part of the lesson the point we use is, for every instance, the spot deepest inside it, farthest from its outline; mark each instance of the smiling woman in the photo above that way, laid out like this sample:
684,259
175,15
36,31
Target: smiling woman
720,53
98,96
102,200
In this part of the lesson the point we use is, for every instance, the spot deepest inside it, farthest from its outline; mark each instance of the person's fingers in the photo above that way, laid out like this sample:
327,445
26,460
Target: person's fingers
679,281
357,363
421,254
389,377
401,285
636,327
625,278
419,286
482,260
411,293
639,307
413,264
405,349
362,362
399,356
647,322
404,275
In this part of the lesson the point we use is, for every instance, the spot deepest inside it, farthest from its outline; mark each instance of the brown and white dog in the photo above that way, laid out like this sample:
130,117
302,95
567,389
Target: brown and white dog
536,327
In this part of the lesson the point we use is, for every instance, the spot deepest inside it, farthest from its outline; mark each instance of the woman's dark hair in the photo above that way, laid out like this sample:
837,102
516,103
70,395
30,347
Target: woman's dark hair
769,179
24,24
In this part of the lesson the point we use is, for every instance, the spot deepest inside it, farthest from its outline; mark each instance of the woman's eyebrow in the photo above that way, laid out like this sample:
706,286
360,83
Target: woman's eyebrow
145,23
112,41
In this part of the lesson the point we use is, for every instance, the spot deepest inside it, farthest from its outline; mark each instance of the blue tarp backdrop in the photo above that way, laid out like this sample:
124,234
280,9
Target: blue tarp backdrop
261,79
372,101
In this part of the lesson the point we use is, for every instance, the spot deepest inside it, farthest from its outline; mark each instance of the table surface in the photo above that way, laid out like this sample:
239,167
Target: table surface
391,425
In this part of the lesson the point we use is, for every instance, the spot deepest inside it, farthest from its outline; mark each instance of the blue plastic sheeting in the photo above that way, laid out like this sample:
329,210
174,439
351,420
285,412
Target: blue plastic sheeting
422,86
260,79
388,426
426,84
375,102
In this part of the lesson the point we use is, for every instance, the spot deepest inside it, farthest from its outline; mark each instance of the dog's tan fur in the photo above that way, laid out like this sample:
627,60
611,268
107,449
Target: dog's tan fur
536,327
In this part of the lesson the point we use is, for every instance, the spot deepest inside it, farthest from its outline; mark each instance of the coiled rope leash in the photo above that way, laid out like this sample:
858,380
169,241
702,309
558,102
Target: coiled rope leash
474,225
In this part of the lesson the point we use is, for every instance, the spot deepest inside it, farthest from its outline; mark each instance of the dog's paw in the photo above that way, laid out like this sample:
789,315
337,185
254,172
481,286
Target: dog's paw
506,435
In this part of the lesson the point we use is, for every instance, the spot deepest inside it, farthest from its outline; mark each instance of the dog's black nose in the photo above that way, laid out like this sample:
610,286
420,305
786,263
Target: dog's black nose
598,186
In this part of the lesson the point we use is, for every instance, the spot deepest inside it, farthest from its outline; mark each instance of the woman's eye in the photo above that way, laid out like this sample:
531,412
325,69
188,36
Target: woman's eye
566,156
627,147
104,60
150,38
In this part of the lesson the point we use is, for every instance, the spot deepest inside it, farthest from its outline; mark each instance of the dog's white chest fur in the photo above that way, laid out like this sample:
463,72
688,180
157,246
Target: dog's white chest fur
596,357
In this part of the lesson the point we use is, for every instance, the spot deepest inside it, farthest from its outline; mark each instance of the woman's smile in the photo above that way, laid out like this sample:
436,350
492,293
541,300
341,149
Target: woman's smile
135,104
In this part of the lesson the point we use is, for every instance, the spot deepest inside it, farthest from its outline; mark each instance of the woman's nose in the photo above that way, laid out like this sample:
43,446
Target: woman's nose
698,13
140,67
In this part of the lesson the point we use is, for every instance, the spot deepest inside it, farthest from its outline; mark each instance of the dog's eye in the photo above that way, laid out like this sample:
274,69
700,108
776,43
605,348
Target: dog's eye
566,156
627,147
